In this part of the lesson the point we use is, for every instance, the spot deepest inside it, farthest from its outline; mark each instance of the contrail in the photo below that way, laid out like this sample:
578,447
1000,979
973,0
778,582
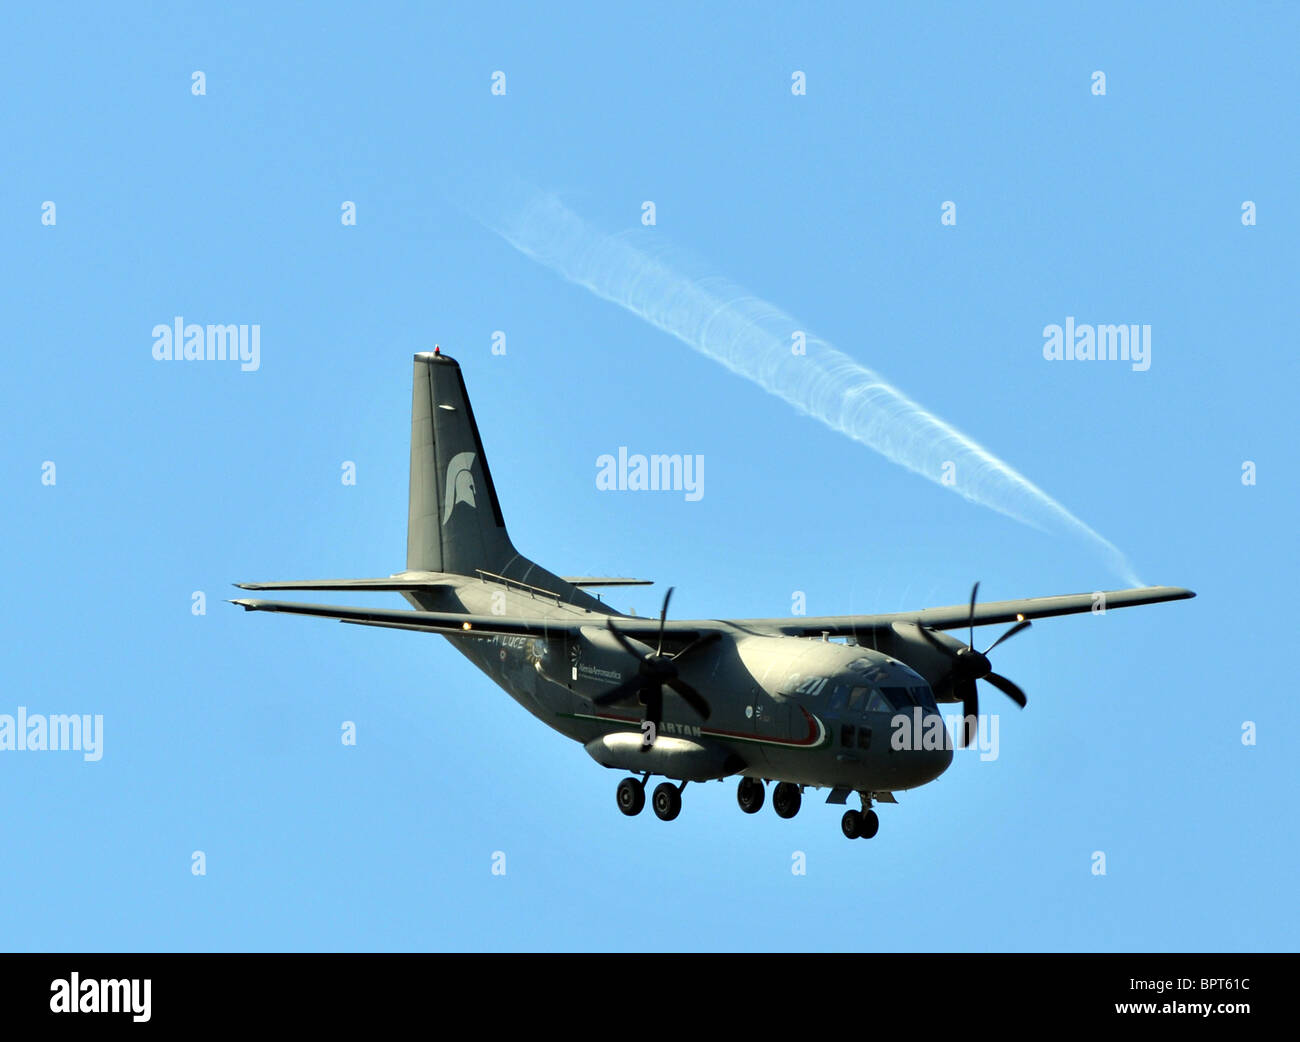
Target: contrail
756,340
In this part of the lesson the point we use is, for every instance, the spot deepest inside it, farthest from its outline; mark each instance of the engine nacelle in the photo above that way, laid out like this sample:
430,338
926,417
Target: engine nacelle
908,646
593,662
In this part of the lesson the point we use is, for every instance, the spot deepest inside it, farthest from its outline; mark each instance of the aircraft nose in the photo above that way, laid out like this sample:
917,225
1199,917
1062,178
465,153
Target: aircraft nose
939,760
934,754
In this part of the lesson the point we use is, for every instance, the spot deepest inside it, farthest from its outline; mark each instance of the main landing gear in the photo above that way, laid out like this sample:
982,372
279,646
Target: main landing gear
750,795
666,801
631,796
786,797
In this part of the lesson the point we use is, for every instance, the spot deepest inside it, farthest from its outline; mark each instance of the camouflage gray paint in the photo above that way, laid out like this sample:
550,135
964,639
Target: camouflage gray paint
785,701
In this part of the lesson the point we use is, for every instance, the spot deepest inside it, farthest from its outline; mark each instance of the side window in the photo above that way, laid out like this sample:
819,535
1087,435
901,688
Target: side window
857,699
839,697
846,736
864,737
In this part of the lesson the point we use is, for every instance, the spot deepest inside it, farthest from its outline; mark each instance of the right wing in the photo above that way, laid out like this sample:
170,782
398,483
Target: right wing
465,625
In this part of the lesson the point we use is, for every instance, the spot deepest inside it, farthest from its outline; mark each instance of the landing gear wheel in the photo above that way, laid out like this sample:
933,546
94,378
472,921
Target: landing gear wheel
870,824
667,801
750,795
786,800
851,824
631,796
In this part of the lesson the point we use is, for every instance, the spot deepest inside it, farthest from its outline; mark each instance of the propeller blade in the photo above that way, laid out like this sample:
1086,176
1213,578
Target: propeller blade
691,697
657,671
663,617
925,632
1007,688
970,711
628,646
942,685
1024,625
974,592
622,693
698,642
653,696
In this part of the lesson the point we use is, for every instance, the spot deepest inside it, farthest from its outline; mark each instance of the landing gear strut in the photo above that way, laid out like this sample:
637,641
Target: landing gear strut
786,799
750,795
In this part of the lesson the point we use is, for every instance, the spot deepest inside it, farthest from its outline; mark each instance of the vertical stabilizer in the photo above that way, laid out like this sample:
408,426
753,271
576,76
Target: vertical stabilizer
454,522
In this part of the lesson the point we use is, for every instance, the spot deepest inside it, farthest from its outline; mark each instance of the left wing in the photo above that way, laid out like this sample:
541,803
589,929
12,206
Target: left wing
955,616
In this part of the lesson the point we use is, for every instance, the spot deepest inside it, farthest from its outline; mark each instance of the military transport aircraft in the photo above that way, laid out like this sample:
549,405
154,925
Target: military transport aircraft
804,702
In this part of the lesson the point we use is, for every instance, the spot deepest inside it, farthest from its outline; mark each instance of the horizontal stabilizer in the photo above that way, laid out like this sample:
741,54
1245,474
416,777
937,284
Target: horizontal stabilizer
392,584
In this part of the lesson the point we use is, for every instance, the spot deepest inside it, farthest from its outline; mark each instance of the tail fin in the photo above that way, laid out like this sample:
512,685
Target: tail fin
454,523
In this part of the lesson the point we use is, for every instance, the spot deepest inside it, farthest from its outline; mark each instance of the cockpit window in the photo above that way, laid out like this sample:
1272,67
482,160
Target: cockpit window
877,704
861,699
900,696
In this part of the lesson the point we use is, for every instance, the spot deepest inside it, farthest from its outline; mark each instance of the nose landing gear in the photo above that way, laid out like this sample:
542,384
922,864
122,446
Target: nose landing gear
862,824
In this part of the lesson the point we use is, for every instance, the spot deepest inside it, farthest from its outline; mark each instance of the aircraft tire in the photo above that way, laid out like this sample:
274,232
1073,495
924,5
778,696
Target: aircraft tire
786,800
631,796
870,824
667,801
851,824
750,795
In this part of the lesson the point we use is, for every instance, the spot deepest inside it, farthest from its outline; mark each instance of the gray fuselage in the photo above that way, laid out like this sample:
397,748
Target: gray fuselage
807,711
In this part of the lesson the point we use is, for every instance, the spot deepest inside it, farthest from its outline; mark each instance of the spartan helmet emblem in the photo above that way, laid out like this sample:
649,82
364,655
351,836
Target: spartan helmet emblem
460,483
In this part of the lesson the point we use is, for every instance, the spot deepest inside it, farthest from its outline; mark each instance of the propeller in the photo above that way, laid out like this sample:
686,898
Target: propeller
657,671
969,665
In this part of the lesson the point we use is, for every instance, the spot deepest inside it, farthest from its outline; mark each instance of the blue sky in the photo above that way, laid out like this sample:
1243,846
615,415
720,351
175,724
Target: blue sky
221,731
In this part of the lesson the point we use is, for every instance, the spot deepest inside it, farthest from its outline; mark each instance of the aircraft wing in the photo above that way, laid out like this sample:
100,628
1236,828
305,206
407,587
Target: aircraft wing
564,622
467,625
957,616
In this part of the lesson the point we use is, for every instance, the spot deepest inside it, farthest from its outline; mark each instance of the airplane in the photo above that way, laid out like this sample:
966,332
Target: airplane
797,703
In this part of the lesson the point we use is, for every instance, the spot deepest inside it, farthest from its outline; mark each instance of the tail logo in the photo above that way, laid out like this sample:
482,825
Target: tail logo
460,483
